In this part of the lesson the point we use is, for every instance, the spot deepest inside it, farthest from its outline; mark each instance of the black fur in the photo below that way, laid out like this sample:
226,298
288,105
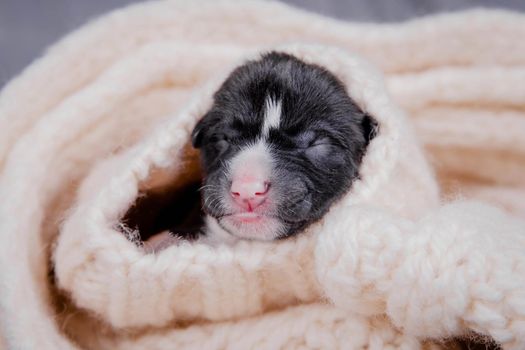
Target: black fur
318,147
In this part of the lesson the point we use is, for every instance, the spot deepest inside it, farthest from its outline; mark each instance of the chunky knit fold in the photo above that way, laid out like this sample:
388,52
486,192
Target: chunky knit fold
428,244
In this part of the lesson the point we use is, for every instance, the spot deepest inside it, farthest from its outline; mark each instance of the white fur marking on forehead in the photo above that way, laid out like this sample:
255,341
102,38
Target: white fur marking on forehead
272,115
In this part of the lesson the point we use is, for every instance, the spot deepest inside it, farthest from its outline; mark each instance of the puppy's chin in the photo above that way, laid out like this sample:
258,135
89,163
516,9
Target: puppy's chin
252,226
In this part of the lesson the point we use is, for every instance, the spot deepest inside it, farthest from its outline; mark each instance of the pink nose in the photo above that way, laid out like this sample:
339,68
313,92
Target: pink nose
249,193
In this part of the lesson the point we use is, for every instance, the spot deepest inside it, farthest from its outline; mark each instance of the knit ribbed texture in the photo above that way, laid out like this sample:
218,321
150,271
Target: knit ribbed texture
111,106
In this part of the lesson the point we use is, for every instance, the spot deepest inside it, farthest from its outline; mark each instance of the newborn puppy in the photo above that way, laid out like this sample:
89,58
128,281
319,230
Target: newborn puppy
281,143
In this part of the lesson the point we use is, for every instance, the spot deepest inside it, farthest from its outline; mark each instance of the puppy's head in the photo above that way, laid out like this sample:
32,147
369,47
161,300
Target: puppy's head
282,142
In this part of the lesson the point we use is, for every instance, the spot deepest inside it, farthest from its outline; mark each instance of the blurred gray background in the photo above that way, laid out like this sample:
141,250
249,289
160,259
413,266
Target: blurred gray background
27,27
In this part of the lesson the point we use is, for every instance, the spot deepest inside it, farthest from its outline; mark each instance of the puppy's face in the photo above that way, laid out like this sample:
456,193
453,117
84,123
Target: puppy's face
281,143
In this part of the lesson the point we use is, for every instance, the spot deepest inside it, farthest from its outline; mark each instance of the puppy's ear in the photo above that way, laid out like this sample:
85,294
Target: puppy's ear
370,128
197,133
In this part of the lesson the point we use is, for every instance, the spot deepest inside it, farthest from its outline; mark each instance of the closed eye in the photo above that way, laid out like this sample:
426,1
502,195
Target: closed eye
319,149
217,137
305,139
221,137
316,143
220,142
322,141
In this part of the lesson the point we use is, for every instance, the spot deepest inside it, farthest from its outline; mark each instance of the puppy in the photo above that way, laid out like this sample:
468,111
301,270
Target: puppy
281,143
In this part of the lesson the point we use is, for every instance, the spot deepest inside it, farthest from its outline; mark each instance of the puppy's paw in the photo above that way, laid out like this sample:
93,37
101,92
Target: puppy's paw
161,241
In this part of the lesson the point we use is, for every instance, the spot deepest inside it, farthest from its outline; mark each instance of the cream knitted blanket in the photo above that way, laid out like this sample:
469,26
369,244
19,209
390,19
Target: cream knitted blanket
404,258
